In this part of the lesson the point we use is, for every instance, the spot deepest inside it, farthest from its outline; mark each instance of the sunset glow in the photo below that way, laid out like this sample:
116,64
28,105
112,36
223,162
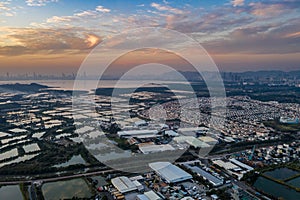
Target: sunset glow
56,35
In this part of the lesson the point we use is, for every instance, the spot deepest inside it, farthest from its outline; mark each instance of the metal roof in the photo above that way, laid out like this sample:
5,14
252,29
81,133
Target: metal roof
170,172
212,179
123,184
233,160
191,141
150,195
152,148
137,132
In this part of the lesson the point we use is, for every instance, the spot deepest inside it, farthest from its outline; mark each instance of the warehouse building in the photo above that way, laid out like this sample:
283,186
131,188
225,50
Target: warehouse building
208,140
191,141
240,164
150,195
137,133
123,184
171,133
147,148
227,165
169,172
206,175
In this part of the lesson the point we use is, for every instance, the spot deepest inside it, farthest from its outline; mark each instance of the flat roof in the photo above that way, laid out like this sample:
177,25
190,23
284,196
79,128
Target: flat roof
151,148
212,179
193,129
170,172
150,195
171,133
241,164
208,139
191,141
137,132
226,165
123,184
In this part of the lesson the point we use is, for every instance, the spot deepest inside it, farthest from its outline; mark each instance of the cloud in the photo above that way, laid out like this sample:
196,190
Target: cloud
224,29
39,2
267,39
236,3
6,10
266,10
293,35
57,19
4,6
85,13
166,8
102,9
29,40
13,50
78,17
92,40
219,20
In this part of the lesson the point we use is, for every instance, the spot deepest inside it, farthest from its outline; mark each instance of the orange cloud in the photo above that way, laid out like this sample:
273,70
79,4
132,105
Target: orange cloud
293,35
266,10
92,40
49,41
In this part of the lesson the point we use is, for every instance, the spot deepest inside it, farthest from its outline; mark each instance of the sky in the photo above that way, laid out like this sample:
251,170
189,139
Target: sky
56,36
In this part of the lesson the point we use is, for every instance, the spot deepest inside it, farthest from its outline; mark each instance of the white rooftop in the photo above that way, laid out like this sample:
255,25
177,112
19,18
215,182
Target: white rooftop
192,141
226,165
170,172
207,139
153,148
123,184
137,132
171,133
247,167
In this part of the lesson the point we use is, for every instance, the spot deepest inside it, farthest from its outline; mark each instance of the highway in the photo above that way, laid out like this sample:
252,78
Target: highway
58,178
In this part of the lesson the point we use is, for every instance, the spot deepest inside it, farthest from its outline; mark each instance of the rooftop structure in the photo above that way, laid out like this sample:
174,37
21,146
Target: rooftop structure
247,167
150,195
212,179
146,148
123,184
226,165
195,129
138,185
140,123
171,133
137,133
287,120
170,172
208,140
192,141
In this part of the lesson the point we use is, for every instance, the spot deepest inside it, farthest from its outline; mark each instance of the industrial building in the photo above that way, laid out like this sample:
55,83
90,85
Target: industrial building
208,140
206,175
171,133
123,184
192,141
227,165
147,148
247,167
137,133
140,123
150,195
193,131
169,172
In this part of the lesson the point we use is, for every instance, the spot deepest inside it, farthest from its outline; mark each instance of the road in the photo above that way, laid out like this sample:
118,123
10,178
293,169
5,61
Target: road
59,178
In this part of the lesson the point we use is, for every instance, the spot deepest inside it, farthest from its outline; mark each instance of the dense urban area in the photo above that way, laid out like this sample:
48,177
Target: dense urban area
246,147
